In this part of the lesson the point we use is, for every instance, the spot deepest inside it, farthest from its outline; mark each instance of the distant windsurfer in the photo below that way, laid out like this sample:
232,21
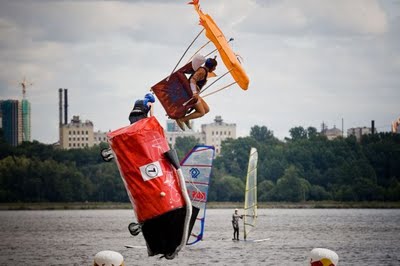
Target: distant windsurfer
197,81
142,108
235,224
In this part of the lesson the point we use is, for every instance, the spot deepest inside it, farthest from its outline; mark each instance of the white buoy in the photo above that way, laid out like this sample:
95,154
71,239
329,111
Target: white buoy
108,258
323,257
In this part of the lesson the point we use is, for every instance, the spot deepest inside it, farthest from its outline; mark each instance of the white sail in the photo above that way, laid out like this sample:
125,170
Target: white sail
250,202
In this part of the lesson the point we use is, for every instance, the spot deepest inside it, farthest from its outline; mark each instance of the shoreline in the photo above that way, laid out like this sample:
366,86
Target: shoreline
210,205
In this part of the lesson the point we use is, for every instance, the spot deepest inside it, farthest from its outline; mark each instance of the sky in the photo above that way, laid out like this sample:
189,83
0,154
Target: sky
308,61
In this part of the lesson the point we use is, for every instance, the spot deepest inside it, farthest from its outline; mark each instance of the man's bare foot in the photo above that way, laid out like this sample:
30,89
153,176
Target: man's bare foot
180,124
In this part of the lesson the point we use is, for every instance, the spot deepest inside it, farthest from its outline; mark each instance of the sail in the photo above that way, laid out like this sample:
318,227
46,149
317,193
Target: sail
215,35
196,168
250,202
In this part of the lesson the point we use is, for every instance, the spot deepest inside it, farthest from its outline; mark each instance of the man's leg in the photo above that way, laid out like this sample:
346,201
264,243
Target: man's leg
206,107
201,108
180,124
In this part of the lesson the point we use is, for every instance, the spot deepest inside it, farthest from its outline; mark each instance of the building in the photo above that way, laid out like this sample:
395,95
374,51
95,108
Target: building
396,126
26,120
11,122
172,126
330,133
358,132
172,136
76,134
173,132
211,134
16,121
99,137
215,133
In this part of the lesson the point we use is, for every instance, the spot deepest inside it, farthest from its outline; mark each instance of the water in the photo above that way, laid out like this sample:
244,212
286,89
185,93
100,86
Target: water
73,237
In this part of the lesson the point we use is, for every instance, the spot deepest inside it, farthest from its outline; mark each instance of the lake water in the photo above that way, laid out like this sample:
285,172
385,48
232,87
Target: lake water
73,237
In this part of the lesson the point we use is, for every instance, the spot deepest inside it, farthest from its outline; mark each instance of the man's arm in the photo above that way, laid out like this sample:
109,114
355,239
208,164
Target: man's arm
198,75
151,106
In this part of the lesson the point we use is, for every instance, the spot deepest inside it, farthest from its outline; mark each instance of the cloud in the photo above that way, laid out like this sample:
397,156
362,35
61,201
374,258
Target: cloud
308,61
316,17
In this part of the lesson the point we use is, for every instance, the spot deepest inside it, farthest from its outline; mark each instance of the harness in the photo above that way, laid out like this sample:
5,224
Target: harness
200,84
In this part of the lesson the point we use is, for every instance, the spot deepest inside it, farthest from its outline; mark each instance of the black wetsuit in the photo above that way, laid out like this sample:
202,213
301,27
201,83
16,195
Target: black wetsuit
139,111
235,224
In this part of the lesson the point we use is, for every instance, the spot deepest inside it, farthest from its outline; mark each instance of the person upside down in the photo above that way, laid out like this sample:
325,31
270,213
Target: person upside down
197,81
142,108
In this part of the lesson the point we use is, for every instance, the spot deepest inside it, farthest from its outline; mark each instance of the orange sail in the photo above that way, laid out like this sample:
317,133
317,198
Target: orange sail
215,35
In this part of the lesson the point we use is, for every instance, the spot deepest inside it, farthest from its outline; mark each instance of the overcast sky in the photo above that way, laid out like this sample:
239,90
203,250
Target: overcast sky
309,61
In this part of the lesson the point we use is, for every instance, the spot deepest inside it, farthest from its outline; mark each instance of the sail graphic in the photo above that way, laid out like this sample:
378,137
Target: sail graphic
250,202
196,168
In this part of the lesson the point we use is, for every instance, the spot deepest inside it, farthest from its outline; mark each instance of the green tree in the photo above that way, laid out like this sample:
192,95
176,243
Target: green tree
184,144
308,166
235,156
312,133
263,190
274,169
289,187
319,193
228,188
297,133
262,134
393,191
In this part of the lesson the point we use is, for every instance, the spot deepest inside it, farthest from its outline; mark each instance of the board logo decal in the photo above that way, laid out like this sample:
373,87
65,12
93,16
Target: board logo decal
151,170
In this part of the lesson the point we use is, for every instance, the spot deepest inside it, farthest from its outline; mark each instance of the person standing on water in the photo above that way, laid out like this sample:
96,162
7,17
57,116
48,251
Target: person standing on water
235,224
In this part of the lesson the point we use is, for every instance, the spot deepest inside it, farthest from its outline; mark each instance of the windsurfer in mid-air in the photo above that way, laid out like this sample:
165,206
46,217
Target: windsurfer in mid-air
142,108
235,224
197,81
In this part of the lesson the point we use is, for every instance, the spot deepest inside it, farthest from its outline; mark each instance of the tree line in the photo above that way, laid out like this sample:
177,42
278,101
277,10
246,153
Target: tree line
305,166
308,166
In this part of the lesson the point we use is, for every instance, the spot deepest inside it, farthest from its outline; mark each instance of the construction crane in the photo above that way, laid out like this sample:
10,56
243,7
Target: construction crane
24,84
